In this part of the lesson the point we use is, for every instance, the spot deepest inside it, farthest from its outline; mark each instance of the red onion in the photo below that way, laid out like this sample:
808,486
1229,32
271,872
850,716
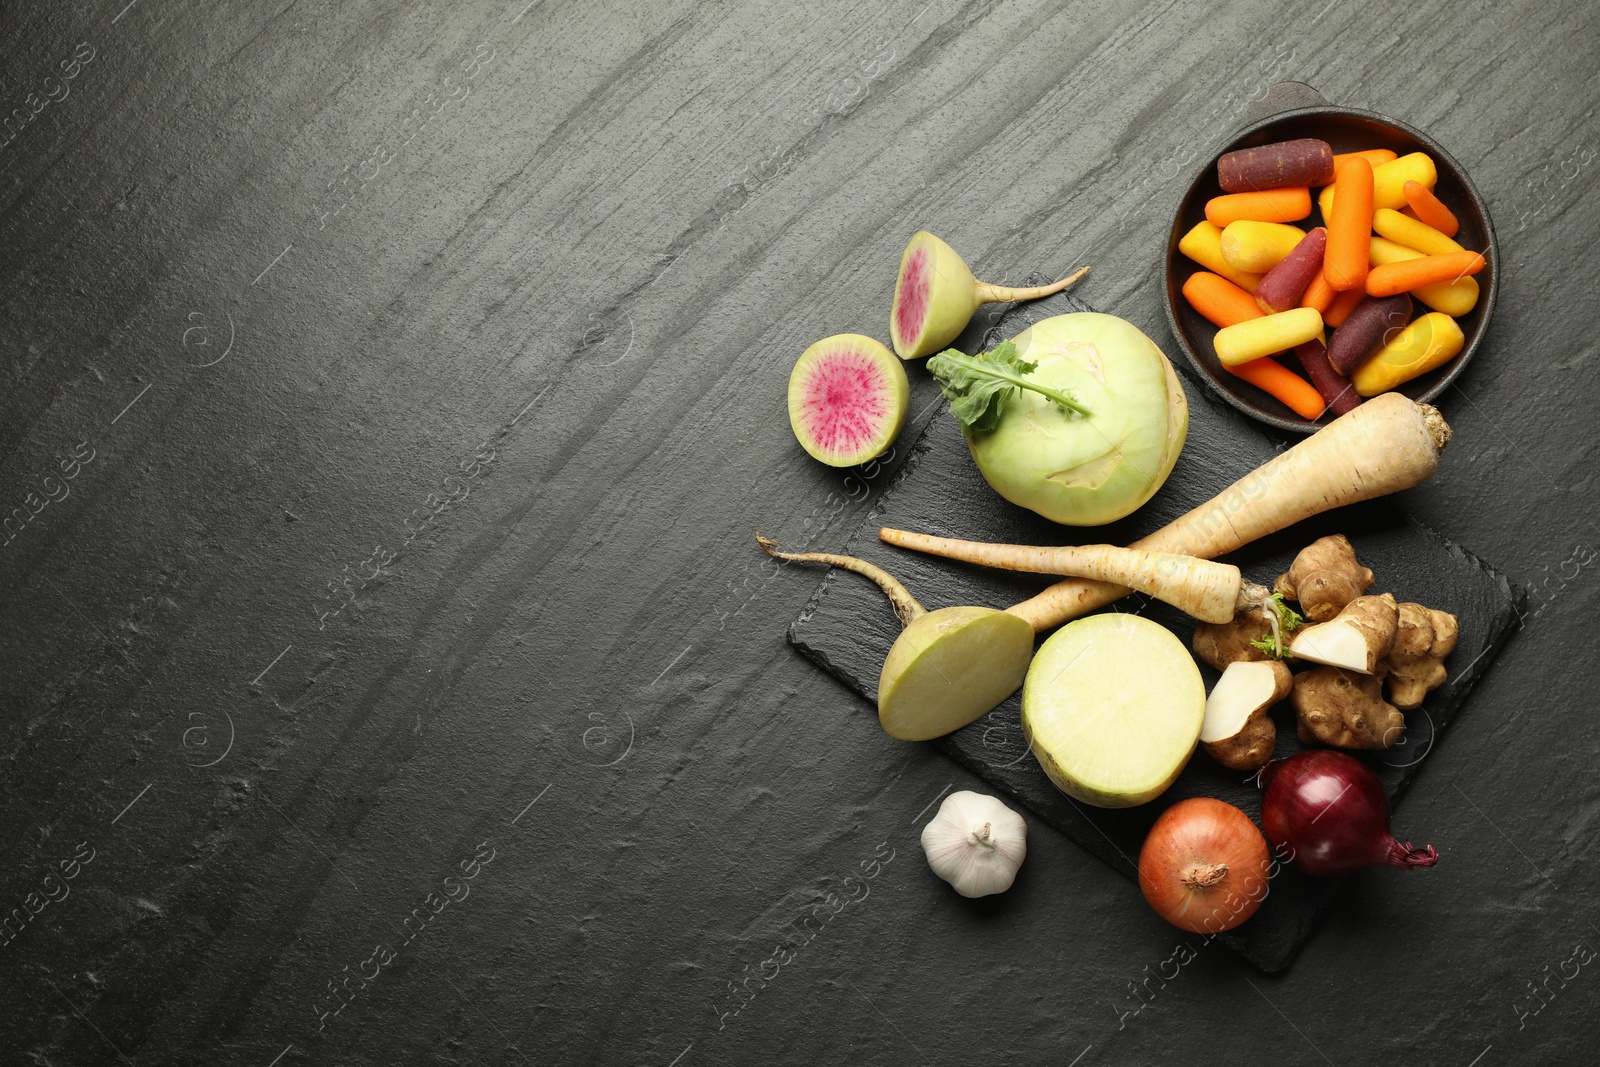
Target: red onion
1329,814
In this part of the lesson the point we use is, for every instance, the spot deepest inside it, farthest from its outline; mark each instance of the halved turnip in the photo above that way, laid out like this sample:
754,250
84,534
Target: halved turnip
1112,707
947,667
936,295
847,399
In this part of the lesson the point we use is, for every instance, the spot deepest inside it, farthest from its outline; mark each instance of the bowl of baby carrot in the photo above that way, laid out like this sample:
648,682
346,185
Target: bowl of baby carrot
1325,256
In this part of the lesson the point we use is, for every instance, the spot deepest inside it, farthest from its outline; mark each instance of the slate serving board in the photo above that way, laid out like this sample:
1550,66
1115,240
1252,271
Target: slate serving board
847,627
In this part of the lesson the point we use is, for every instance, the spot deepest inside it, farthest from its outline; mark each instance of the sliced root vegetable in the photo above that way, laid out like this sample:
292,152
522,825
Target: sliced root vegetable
947,667
1237,732
1344,709
935,296
1112,708
1416,662
1385,445
1211,592
1356,639
1324,577
847,399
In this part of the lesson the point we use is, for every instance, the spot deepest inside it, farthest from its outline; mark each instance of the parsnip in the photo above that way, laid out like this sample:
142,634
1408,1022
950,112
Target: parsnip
1208,591
1387,444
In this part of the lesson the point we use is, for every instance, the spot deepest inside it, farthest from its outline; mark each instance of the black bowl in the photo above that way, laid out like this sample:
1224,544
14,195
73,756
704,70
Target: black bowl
1347,129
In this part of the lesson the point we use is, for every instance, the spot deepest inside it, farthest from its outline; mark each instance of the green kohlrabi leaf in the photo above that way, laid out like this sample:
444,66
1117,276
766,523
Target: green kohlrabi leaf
977,386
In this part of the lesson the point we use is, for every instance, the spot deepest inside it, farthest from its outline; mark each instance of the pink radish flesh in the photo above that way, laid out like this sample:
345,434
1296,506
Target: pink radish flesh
913,303
846,402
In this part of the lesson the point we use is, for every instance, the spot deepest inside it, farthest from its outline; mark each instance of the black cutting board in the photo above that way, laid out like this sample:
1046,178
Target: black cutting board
847,627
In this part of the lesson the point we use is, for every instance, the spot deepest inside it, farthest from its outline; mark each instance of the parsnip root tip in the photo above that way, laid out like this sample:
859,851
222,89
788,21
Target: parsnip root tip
1433,419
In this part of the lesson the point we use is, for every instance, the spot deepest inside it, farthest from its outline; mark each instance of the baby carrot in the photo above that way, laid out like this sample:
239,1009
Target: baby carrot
1342,305
1413,233
1429,208
1408,274
1453,298
1283,384
1376,156
1389,179
1350,226
1225,304
1388,182
1319,294
1429,342
1268,205
1203,244
1257,247
1219,300
1244,341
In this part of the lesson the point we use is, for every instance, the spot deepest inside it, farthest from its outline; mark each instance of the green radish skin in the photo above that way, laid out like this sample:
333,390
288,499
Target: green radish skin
848,396
935,296
948,667
1387,444
1202,589
1112,708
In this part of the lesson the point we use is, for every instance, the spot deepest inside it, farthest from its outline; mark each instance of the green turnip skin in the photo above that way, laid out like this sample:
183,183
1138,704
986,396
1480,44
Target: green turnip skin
1077,470
935,296
948,667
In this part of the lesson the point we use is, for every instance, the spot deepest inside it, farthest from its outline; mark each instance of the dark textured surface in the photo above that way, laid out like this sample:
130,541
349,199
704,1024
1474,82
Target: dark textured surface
847,627
635,222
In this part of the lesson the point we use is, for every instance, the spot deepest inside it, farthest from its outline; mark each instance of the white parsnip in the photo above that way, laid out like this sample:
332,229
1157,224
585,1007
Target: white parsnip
1387,444
1208,591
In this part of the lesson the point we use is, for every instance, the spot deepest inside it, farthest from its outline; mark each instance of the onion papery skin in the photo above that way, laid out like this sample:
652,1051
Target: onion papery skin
1327,814
1219,851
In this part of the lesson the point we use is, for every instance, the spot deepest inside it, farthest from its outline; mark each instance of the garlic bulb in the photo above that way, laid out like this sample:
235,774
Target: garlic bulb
975,843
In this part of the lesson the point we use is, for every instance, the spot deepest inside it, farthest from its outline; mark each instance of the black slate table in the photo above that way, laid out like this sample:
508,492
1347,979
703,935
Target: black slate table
388,393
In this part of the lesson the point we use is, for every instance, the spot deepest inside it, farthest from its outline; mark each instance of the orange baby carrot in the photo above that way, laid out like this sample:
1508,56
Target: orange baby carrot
1409,274
1225,304
1350,225
1219,300
1319,294
1273,378
1342,305
1430,209
1375,156
1269,205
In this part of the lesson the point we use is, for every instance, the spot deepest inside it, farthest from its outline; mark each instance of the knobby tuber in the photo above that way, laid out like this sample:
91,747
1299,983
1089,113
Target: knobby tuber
1357,639
1237,732
1324,577
1416,662
1344,709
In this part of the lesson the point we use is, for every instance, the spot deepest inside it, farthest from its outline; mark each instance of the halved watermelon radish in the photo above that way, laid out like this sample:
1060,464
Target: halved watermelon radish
936,296
847,399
